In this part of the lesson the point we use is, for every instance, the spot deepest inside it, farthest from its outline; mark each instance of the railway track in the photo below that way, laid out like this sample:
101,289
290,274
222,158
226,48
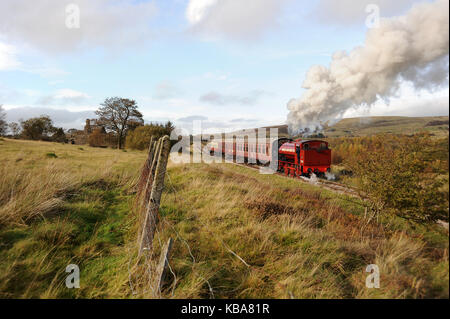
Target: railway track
330,185
333,186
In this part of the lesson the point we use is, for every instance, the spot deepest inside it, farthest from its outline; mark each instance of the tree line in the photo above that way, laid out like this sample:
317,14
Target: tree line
117,116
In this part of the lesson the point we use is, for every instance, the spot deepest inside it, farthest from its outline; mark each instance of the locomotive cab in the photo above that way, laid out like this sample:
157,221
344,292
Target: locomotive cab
305,158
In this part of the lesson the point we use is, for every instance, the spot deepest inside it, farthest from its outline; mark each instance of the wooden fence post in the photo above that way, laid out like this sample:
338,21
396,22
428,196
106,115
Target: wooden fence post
146,169
151,175
163,264
151,211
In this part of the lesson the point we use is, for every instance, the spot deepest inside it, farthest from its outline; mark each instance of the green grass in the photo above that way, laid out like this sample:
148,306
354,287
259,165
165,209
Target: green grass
51,155
86,224
89,231
298,240
237,233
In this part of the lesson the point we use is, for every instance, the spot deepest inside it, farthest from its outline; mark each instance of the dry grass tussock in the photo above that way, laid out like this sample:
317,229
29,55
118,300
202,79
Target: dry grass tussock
68,207
34,184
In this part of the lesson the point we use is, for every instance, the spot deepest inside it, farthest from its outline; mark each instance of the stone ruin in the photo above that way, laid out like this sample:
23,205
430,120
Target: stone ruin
81,137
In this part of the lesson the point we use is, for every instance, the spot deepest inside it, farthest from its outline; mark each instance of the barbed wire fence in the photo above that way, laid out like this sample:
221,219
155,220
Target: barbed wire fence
150,271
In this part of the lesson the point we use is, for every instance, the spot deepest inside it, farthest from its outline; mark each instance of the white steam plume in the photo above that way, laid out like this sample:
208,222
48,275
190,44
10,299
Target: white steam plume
413,48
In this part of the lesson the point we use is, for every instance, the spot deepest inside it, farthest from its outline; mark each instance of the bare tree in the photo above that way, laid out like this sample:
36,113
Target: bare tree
119,115
14,128
3,125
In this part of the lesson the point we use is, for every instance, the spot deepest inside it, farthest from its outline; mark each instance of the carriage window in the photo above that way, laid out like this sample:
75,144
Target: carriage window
323,146
306,146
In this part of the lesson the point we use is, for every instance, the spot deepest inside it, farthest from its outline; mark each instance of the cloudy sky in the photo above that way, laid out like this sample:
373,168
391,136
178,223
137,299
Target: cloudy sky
230,63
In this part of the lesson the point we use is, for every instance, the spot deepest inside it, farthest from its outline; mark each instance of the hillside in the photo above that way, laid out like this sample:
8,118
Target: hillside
237,233
363,126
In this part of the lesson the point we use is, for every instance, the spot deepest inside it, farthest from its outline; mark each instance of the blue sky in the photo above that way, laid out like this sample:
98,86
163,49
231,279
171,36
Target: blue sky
235,64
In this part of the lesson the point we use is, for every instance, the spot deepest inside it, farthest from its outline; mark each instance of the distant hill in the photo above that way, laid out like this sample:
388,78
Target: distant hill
362,126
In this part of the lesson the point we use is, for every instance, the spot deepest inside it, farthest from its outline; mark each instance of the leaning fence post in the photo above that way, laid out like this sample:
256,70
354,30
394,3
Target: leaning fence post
151,212
151,175
146,168
163,264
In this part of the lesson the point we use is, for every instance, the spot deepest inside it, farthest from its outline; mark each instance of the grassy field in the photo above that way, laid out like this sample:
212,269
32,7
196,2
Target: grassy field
63,204
237,233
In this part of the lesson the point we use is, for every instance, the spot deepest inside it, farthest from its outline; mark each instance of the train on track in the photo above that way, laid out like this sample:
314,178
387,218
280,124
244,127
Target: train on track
293,157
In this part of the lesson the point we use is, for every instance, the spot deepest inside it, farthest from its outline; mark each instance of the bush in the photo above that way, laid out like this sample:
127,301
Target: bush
37,128
51,155
3,124
403,176
336,157
59,135
140,137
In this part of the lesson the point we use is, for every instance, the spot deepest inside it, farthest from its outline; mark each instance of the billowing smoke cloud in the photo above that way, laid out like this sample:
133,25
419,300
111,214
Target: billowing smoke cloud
411,48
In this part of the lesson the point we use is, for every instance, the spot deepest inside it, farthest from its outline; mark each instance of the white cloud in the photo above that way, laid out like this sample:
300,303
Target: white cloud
166,90
9,60
69,93
233,19
227,99
190,119
44,71
198,9
408,103
8,57
351,12
64,97
42,23
61,117
216,76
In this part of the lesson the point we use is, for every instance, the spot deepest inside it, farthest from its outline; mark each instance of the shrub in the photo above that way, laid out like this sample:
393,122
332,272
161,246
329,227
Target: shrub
3,124
37,128
403,176
51,155
140,137
336,157
59,135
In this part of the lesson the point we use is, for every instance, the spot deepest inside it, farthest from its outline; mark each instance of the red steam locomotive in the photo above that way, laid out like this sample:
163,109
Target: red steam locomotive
295,158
